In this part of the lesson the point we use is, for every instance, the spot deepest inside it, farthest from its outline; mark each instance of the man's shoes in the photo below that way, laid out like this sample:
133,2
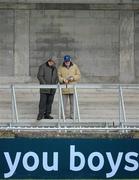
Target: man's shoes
40,116
47,116
68,117
71,117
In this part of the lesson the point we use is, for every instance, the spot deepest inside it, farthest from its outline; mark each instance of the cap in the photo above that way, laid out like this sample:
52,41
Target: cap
67,58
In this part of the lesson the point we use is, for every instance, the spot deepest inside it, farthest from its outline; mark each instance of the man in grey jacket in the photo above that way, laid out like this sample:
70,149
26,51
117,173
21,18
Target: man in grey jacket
47,74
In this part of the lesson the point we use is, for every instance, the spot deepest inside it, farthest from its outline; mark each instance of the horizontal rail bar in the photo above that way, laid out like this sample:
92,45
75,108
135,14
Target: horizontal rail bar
5,86
35,86
69,128
81,86
107,86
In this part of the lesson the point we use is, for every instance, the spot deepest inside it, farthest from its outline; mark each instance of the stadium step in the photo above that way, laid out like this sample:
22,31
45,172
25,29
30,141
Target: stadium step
95,105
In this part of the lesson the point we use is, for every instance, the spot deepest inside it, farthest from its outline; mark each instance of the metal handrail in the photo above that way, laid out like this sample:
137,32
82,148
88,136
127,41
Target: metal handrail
75,87
77,104
61,102
69,128
14,103
79,85
122,103
38,87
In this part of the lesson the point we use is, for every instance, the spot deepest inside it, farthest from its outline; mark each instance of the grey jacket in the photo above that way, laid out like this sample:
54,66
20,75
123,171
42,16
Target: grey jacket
47,75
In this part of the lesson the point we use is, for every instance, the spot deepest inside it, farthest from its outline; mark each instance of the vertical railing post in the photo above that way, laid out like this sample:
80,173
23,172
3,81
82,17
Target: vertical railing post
14,103
62,105
59,103
77,103
74,106
123,106
59,107
120,108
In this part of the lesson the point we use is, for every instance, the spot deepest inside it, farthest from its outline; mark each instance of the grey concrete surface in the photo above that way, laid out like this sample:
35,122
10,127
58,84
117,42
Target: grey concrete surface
127,70
21,49
72,1
91,38
103,42
6,43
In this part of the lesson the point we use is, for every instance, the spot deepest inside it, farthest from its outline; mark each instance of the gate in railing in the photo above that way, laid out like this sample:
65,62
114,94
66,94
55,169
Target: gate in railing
76,124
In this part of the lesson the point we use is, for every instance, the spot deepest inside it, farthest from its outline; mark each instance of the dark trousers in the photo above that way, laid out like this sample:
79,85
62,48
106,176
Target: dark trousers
45,105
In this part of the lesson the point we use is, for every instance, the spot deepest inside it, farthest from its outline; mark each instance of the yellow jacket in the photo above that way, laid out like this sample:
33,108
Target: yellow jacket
64,73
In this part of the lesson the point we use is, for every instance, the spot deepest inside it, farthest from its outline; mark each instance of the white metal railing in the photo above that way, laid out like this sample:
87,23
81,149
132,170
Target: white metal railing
119,87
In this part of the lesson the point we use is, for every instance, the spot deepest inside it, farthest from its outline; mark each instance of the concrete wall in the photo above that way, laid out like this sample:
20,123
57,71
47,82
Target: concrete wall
90,37
104,43
137,44
6,43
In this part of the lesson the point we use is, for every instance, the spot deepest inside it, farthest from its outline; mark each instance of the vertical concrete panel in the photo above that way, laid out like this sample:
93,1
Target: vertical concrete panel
6,43
137,44
98,45
127,71
21,43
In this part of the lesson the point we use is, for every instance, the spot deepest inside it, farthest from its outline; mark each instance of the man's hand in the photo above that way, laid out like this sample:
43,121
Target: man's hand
70,78
66,81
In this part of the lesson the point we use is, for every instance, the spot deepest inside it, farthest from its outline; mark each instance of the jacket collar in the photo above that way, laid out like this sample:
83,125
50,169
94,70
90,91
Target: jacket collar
48,65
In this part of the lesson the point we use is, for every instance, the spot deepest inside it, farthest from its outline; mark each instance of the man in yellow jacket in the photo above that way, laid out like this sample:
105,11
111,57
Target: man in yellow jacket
68,73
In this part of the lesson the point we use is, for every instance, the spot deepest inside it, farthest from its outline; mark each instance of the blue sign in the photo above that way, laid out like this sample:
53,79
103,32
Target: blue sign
64,158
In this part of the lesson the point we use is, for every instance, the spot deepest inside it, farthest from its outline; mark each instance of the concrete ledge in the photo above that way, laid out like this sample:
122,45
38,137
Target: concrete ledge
14,79
71,1
67,1
69,5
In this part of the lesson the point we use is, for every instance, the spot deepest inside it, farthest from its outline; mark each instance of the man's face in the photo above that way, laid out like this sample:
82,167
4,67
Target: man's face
67,63
51,63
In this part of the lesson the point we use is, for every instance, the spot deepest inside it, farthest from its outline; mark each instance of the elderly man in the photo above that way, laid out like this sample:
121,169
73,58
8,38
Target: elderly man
47,74
68,73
